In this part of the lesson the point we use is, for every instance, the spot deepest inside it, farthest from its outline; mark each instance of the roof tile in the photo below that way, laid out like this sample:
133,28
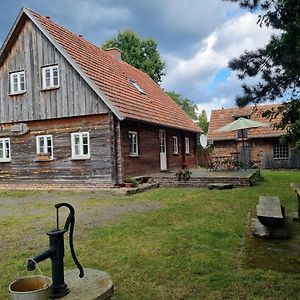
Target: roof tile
113,78
222,117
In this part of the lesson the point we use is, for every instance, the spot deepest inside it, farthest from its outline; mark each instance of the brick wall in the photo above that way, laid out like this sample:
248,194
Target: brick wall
258,149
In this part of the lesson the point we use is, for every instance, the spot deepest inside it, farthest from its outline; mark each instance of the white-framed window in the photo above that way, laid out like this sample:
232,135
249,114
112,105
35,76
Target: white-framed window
5,150
133,143
50,77
175,145
44,145
80,145
281,151
17,82
187,145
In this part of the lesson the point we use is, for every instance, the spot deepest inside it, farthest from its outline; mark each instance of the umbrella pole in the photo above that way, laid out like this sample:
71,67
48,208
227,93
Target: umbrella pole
243,145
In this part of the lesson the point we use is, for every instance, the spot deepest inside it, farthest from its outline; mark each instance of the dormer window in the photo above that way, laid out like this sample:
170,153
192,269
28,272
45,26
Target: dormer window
136,85
17,82
50,77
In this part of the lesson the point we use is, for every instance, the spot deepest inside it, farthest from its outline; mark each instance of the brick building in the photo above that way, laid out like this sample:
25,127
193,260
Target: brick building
262,146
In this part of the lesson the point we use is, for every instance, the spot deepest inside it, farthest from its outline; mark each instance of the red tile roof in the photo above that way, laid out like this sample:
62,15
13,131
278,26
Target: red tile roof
222,117
113,78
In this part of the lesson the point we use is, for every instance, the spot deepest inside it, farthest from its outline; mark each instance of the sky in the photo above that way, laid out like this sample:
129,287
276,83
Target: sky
196,38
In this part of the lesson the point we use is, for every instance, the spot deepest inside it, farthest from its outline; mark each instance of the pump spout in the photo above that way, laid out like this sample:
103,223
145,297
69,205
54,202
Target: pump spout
31,263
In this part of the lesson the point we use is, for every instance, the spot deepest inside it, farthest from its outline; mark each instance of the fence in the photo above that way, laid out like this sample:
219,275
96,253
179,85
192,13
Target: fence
292,163
203,157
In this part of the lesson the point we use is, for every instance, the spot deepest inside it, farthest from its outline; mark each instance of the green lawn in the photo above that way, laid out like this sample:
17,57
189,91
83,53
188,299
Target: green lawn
196,246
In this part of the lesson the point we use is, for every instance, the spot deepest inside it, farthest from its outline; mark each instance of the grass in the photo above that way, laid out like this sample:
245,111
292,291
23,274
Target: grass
197,246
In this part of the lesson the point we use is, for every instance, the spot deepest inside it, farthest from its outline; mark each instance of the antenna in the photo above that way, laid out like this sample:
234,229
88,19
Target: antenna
203,141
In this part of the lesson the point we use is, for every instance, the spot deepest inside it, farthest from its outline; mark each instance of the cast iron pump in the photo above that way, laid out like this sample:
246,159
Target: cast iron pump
56,254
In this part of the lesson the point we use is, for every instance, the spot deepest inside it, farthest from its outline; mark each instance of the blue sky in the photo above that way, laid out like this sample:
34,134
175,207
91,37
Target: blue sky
196,38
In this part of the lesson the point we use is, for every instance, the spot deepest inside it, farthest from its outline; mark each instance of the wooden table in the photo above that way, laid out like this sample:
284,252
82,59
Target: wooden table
296,187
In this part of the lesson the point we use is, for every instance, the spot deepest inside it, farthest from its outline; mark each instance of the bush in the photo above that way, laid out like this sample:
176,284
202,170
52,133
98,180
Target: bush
131,180
184,175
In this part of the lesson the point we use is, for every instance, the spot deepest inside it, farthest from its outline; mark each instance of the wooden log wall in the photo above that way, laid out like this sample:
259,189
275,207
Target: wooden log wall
97,169
31,51
148,161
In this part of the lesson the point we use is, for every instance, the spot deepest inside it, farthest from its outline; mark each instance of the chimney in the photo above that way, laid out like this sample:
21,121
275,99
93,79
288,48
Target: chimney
114,52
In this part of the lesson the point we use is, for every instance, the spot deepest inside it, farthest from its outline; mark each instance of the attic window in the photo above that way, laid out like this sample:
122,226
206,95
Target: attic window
17,82
137,87
50,77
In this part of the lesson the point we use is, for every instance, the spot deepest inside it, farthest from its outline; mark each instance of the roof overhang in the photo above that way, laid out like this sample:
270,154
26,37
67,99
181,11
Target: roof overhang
163,125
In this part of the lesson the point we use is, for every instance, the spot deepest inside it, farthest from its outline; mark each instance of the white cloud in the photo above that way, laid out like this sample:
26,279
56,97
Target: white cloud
193,16
228,41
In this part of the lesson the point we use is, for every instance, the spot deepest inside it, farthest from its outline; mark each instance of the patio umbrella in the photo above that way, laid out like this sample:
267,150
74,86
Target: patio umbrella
242,123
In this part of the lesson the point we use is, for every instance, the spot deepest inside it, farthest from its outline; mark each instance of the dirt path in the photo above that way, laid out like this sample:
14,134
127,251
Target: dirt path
35,214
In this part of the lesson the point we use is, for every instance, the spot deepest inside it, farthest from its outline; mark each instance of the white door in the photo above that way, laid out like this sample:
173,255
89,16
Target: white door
163,150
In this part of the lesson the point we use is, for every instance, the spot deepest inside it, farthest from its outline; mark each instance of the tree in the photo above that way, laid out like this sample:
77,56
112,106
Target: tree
140,53
187,105
203,122
277,64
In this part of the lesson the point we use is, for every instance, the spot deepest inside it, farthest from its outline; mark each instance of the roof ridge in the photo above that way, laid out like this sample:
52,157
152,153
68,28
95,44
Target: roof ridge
249,106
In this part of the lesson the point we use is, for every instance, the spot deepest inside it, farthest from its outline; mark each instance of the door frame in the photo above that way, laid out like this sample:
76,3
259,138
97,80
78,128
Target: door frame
163,154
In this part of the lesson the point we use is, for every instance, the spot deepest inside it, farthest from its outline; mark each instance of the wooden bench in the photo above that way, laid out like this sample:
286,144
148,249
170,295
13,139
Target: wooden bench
270,212
296,187
220,186
270,219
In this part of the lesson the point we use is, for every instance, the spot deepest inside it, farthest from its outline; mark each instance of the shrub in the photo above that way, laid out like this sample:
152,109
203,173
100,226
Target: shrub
183,175
131,180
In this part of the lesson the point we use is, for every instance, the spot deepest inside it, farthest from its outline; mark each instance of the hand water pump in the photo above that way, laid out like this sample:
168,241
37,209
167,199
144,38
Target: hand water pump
56,253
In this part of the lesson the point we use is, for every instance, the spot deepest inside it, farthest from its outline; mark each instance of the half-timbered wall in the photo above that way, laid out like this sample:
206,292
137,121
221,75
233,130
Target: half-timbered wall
148,160
31,51
24,164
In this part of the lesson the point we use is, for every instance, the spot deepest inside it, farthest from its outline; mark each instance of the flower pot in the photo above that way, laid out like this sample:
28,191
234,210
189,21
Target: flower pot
128,185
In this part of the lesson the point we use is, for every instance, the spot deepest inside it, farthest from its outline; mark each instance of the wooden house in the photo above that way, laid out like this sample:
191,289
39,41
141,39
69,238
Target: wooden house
262,145
72,112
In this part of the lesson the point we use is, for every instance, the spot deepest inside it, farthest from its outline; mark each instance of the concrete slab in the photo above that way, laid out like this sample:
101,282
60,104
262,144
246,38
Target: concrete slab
95,285
260,230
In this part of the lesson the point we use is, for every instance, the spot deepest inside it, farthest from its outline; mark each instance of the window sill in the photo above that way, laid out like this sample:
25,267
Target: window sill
187,153
81,158
43,159
5,160
50,88
286,158
176,154
17,93
134,155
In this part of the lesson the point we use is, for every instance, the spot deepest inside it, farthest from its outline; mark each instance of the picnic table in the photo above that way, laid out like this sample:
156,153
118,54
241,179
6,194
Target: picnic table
296,187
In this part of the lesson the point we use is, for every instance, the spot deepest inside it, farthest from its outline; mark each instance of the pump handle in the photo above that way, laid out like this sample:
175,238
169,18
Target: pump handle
70,223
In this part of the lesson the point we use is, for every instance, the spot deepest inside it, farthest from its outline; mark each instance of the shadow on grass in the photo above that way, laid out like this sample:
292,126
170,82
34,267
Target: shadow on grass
280,255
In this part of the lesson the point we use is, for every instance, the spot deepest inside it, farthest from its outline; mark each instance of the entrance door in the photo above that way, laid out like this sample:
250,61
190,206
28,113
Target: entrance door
244,156
163,150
